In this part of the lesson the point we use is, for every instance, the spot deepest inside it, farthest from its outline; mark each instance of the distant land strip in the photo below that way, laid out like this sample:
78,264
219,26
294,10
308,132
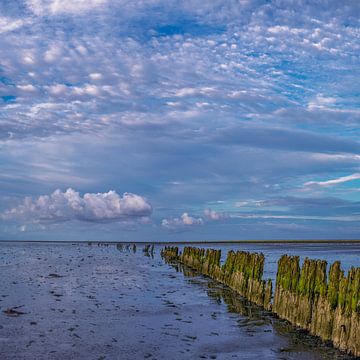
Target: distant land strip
298,241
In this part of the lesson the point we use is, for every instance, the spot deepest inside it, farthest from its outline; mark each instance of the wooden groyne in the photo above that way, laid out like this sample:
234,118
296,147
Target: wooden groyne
327,304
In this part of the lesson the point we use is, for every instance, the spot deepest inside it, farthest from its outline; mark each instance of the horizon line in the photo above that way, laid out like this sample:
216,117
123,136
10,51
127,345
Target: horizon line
258,241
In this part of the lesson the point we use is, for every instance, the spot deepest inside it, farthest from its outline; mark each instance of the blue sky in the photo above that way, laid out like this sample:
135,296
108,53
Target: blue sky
179,120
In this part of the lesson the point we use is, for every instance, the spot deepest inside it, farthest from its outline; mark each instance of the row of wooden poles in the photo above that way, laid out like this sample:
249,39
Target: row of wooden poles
327,304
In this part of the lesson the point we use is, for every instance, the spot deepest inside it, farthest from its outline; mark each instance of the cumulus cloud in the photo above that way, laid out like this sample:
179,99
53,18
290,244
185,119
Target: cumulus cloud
213,215
185,221
70,205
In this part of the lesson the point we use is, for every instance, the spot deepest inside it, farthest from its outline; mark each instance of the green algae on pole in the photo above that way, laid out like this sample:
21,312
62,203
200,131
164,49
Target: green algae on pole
170,253
325,304
241,271
329,308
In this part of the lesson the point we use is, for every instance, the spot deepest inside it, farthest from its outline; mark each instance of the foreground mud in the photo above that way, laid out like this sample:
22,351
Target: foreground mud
90,302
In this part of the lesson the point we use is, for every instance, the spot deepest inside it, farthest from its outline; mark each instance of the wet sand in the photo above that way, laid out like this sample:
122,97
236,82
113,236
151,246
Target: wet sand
90,302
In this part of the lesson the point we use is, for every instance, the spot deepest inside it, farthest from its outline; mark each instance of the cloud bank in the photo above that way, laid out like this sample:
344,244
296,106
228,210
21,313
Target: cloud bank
70,205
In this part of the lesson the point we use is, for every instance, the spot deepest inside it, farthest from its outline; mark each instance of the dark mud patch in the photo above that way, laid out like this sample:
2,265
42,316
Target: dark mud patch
14,312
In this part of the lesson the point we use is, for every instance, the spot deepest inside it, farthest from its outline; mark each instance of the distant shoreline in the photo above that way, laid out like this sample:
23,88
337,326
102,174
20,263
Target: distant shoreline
185,242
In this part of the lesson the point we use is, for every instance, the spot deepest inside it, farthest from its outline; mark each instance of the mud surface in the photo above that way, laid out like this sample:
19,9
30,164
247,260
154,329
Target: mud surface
90,302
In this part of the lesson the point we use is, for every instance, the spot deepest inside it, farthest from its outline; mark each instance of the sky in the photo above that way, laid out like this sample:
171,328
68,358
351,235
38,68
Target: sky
164,120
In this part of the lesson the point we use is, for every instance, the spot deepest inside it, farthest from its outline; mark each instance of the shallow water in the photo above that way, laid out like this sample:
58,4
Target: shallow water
111,304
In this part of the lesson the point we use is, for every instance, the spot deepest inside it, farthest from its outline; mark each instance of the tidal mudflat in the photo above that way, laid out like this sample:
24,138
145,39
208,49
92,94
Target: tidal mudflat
74,301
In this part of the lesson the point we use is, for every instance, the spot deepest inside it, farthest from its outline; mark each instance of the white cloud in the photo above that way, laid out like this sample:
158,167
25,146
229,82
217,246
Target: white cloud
332,182
70,205
213,215
244,203
27,87
87,89
284,29
188,91
58,89
297,217
28,59
321,102
53,53
54,7
101,63
184,221
188,220
95,76
9,24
